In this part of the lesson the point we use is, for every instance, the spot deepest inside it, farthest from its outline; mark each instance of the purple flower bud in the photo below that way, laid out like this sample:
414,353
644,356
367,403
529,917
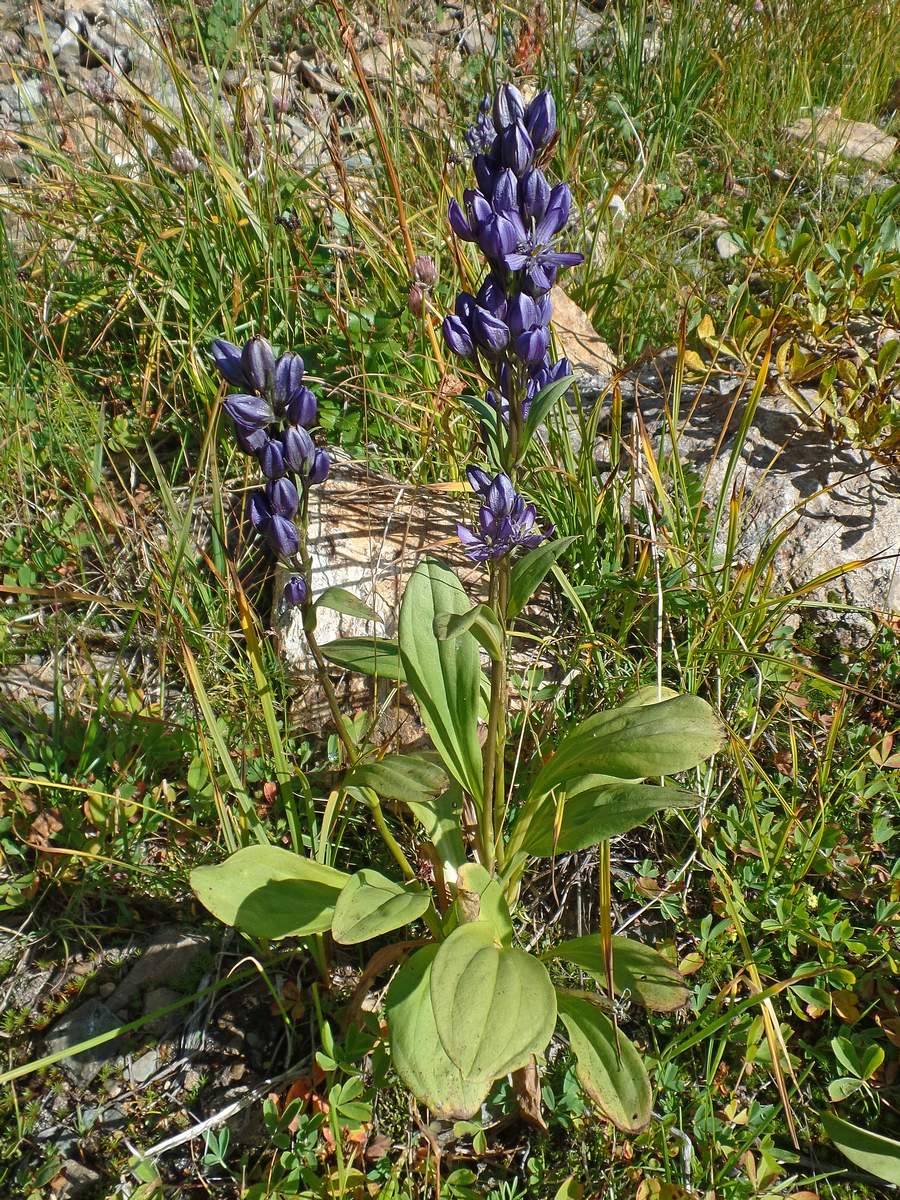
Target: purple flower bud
497,238
509,106
282,498
544,309
302,407
258,363
282,536
296,591
516,150
457,337
458,222
248,412
320,468
491,334
288,377
540,119
259,511
227,358
531,346
299,449
522,314
501,496
492,296
556,214
505,197
464,307
534,191
271,459
251,441
479,480
415,299
477,207
485,172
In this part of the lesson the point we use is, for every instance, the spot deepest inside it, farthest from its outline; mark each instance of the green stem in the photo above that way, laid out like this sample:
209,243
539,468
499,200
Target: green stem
430,918
486,816
500,669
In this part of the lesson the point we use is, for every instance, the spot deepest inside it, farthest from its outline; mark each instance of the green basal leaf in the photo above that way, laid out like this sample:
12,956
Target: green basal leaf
872,1152
408,778
369,656
338,599
637,969
372,904
416,1049
649,694
269,892
493,1006
632,743
480,898
596,808
616,1081
479,621
441,818
530,571
444,677
541,405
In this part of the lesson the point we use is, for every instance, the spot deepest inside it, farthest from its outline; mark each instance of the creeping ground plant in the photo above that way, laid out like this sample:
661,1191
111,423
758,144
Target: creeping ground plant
468,1006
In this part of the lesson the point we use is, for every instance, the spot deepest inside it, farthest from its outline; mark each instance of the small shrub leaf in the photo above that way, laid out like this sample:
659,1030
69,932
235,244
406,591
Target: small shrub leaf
637,969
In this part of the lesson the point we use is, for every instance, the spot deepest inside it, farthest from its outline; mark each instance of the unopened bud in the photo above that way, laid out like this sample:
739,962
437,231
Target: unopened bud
424,270
416,300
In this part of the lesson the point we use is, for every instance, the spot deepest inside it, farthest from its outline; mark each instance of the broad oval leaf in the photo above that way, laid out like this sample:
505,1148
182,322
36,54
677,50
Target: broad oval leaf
530,571
369,656
270,892
338,599
617,1083
441,818
372,904
651,979
873,1152
416,1050
444,677
493,1006
409,778
630,743
596,808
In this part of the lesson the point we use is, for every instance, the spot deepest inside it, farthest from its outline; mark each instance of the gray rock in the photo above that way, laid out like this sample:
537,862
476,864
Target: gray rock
75,1180
589,25
726,246
171,957
21,103
87,1021
143,1068
154,1000
834,505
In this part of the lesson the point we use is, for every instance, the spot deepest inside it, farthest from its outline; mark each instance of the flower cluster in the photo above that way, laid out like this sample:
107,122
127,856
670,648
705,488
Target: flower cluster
505,521
272,415
514,216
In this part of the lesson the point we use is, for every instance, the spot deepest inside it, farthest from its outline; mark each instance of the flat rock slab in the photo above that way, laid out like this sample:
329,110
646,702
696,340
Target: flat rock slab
849,139
834,506
87,1021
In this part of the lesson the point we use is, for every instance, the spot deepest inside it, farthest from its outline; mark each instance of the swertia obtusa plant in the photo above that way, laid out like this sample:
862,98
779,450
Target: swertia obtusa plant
469,1007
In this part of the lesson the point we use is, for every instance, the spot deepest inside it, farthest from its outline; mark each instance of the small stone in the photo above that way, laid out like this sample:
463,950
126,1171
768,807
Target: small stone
850,139
87,1021
726,246
144,1068
74,1180
153,1001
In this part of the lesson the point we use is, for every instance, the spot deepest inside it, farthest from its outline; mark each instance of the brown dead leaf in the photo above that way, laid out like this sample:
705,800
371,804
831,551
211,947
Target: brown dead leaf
44,826
527,1090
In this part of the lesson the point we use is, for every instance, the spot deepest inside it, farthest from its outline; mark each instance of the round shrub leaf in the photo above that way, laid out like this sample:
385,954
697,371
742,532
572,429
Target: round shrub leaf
493,1006
372,904
269,892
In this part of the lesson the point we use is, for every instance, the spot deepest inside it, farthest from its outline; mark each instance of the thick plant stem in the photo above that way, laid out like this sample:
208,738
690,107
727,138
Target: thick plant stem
500,669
